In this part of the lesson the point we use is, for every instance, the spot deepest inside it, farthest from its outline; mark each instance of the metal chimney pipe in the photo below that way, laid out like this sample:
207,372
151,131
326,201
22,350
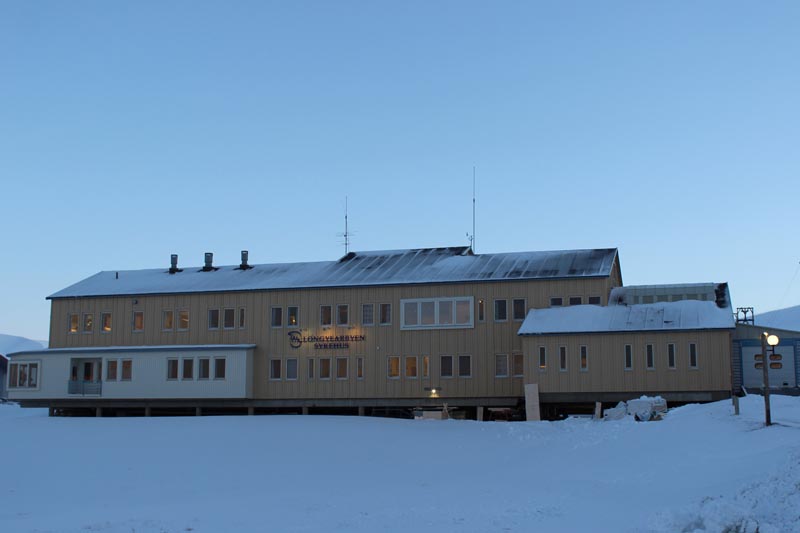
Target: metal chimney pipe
209,261
244,265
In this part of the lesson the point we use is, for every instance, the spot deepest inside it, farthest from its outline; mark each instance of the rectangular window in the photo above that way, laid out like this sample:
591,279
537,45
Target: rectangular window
341,368
342,315
650,356
410,314
105,322
229,318
671,355
445,312
575,300
517,365
562,356
360,368
88,322
293,315
276,320
518,308
127,369
594,300
436,313
428,313
188,369
219,368
167,319
242,318
500,310
393,367
204,367
542,358
274,369
692,355
213,319
111,370
13,375
367,314
584,358
325,315
291,369
310,369
183,320
138,321
411,366
325,368
446,366
556,301
464,366
628,357
385,314
501,366
481,310
426,366
23,375
464,312
172,369
74,321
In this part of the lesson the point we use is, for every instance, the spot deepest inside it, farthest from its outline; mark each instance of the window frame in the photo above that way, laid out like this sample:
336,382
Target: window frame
426,367
319,369
296,316
310,374
563,358
90,329
650,356
360,368
211,312
164,314
129,364
559,299
200,361
695,355
346,360
579,299
481,310
276,311
599,300
468,303
406,360
451,375
672,356
272,368
627,354
296,368
77,328
339,308
330,315
180,319
27,364
389,367
225,325
173,367
241,321
542,363
495,309
514,309
189,360
461,373
583,357
517,357
363,314
497,358
381,307
216,366
111,363
103,315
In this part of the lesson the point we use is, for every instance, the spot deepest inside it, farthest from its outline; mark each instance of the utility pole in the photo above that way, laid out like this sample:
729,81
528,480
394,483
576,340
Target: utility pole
764,363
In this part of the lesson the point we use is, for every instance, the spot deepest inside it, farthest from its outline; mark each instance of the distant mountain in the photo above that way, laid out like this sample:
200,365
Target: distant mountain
788,318
12,343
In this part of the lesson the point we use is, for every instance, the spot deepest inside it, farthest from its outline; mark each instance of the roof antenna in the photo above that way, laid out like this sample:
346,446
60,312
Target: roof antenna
346,233
471,237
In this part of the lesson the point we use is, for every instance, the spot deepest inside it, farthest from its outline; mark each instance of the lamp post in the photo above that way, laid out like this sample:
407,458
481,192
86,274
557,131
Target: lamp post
773,341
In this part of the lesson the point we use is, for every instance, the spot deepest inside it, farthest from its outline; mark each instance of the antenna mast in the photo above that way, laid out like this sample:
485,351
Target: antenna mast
346,233
472,239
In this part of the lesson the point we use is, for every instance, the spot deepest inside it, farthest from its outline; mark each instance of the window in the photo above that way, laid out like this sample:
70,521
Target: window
628,357
23,375
360,368
242,318
393,367
204,364
74,319
426,366
341,368
464,366
671,355
188,369
111,370
213,319
542,358
562,358
229,318
167,320
367,314
575,300
342,315
556,301
436,313
127,370
310,369
385,314
274,369
183,320
481,310
291,369
518,308
325,315
650,356
172,369
325,368
501,366
594,300
500,310
88,322
277,317
446,366
411,367
584,358
517,365
692,355
105,322
219,368
292,315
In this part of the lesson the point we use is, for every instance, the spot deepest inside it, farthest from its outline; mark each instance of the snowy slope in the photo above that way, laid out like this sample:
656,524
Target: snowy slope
701,469
12,343
788,318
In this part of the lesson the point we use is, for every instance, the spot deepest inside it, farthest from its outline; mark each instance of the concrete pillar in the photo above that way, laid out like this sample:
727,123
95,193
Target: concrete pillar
305,410
198,411
598,410
361,411
251,410
736,405
51,411
98,411
148,411
481,414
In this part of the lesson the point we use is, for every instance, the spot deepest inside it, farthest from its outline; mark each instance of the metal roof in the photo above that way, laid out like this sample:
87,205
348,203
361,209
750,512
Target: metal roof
391,267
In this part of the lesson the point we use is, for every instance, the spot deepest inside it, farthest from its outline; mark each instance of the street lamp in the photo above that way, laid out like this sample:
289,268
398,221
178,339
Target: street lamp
773,341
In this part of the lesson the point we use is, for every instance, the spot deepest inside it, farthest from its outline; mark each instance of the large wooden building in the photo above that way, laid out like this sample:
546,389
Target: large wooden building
373,332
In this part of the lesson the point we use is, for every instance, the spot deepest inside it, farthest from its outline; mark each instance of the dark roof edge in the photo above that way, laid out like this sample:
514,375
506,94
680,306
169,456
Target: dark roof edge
119,349
622,331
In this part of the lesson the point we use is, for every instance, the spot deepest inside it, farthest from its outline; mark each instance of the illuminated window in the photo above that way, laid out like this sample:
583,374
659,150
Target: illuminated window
464,366
411,367
342,315
426,366
341,368
584,358
393,367
183,320
501,366
138,321
105,322
325,315
88,322
292,315
74,322
385,314
277,317
172,369
542,358
367,314
167,319
500,310
517,365
213,319
188,369
446,366
518,308
229,318
291,369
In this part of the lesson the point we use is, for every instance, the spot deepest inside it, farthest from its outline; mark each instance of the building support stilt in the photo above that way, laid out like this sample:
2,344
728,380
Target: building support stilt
198,411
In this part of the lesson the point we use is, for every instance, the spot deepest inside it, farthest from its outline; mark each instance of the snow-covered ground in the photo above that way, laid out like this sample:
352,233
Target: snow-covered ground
788,318
699,469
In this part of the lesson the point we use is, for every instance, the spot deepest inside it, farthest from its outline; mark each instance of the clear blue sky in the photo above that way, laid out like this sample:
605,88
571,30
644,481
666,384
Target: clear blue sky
129,131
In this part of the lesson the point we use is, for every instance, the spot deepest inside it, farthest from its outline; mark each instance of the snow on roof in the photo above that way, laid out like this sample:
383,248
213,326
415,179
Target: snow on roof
662,316
156,348
392,267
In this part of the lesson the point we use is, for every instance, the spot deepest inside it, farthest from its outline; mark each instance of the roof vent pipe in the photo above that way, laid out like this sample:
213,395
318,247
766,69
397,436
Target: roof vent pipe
209,262
244,265
173,264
